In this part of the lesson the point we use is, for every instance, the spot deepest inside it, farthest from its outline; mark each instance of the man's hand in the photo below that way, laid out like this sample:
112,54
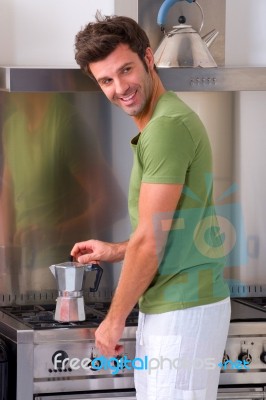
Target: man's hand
107,337
94,251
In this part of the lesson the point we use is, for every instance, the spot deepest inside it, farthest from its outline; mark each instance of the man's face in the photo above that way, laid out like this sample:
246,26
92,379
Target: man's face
124,79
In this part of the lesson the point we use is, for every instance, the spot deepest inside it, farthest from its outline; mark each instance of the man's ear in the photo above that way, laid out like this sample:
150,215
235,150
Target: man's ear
149,58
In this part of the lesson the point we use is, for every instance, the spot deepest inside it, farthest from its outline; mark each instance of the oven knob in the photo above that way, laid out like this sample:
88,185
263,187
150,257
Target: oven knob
116,362
60,359
245,356
225,357
263,357
96,364
122,362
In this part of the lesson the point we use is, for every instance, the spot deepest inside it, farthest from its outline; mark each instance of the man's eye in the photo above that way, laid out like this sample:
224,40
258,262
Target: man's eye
126,70
105,82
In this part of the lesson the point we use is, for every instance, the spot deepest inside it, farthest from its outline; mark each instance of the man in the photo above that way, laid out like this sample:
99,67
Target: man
173,261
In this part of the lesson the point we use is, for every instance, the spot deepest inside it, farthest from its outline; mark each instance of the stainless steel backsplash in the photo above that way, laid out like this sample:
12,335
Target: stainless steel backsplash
59,185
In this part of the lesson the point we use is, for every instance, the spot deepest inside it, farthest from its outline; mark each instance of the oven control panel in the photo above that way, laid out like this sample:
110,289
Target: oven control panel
244,360
250,351
62,360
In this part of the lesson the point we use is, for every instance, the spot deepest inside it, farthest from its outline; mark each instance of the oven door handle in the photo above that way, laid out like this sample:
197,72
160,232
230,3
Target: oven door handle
89,396
97,396
234,395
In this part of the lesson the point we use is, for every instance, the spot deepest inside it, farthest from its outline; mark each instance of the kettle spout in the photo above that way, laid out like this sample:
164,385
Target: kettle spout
52,269
210,37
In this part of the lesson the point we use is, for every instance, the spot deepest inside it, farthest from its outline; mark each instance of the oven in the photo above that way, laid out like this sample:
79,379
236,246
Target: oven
54,360
243,368
57,361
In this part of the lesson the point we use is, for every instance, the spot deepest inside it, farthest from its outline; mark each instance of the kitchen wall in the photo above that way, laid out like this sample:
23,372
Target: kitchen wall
245,32
249,167
246,46
41,33
236,126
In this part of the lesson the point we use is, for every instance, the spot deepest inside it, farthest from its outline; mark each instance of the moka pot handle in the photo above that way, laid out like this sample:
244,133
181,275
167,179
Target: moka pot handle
99,272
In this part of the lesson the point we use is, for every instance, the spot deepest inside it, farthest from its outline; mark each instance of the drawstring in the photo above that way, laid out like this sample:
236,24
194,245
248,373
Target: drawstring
141,328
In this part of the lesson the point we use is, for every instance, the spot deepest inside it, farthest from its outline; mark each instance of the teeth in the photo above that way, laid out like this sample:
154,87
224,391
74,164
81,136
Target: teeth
128,97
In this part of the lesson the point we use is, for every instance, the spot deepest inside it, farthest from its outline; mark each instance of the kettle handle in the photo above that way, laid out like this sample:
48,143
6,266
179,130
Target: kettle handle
99,272
167,4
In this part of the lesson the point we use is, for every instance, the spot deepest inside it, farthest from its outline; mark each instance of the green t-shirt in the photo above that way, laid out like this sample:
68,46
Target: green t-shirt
174,148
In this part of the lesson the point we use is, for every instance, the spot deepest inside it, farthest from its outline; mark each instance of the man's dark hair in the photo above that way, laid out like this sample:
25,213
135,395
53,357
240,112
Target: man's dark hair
99,39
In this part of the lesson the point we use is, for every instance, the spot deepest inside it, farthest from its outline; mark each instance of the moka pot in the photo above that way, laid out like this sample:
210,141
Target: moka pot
70,278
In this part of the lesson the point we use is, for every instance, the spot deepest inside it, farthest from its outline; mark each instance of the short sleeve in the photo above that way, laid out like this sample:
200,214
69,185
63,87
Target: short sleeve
166,151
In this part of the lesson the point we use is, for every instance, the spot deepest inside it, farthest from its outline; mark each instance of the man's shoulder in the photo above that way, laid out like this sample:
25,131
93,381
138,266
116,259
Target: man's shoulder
170,108
174,119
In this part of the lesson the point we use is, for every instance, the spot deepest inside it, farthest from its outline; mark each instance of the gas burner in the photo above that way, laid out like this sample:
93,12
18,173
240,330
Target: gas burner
42,316
258,303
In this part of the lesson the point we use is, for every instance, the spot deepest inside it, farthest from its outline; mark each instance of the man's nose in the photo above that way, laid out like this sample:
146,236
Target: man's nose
121,86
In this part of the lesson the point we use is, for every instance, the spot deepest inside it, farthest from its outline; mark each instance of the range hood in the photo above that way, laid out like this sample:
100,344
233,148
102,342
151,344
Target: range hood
19,79
30,79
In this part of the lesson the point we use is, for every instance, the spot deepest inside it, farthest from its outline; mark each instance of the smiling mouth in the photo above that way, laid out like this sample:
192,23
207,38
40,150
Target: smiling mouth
127,99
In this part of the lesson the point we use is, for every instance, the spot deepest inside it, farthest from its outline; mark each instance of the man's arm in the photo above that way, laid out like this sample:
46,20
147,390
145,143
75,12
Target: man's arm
140,264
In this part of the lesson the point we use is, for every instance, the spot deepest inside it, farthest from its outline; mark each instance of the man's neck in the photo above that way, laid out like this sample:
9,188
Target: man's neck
158,89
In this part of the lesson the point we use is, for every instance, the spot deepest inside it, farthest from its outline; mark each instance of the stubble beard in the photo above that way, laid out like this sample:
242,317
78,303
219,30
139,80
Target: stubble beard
139,109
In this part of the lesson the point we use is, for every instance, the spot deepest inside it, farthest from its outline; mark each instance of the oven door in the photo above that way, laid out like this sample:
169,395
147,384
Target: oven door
223,394
90,396
237,393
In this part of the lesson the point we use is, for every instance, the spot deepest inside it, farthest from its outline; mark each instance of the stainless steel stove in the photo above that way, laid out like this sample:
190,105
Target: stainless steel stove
51,358
243,368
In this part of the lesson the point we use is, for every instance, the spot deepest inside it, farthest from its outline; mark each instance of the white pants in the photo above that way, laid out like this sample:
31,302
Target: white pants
183,349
